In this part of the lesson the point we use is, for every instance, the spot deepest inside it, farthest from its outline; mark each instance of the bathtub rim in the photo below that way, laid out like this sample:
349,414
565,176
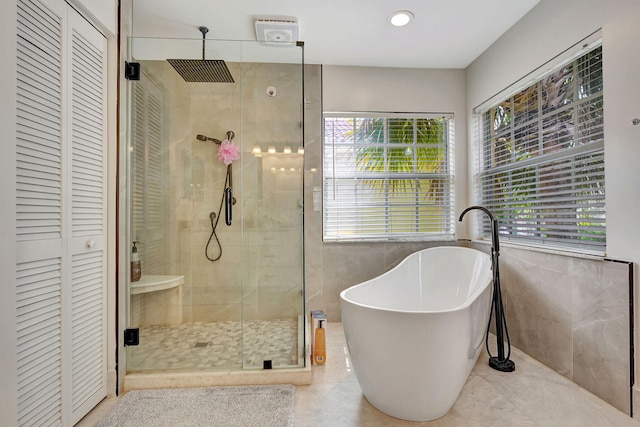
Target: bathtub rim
462,306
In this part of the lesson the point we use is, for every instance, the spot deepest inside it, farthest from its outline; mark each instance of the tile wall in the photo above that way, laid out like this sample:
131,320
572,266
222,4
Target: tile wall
266,189
573,315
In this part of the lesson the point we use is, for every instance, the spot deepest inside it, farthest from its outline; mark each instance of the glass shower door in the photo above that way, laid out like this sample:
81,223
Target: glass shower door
273,297
216,296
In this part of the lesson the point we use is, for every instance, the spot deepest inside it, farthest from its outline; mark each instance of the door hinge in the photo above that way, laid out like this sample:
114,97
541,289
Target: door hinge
131,336
132,70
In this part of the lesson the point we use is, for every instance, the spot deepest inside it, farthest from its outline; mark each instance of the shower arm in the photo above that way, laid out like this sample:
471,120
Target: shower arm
204,31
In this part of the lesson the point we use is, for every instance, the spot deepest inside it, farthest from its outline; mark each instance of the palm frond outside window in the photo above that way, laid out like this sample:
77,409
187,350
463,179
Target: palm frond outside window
387,176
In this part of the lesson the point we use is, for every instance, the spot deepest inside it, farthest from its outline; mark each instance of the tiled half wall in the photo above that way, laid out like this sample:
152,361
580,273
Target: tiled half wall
573,315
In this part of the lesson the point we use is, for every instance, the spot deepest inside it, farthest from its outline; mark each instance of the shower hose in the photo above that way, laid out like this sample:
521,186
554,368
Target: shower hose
214,224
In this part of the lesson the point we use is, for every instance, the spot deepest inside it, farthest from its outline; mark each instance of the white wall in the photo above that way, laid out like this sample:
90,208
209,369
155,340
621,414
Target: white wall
8,361
403,90
551,27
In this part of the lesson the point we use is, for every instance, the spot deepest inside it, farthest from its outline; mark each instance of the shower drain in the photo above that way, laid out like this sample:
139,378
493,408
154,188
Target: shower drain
202,344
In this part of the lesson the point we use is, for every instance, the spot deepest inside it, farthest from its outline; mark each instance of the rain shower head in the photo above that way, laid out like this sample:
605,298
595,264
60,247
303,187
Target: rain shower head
206,138
202,70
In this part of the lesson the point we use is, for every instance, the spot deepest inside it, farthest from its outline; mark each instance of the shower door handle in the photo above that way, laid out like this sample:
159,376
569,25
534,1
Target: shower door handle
228,205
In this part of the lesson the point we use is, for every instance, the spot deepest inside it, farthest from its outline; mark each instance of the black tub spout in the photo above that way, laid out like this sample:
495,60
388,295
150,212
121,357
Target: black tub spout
495,241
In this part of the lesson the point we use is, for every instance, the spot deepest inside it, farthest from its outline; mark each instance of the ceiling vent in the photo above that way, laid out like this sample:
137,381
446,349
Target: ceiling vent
277,30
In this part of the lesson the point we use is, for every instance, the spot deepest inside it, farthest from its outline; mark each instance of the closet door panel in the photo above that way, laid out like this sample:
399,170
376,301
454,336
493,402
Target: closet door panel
39,207
88,215
39,121
39,346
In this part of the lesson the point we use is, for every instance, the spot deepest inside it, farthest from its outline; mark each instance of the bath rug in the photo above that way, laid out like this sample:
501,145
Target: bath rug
227,406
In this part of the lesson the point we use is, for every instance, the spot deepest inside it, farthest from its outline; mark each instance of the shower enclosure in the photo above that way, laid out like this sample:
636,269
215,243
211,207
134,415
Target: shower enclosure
220,246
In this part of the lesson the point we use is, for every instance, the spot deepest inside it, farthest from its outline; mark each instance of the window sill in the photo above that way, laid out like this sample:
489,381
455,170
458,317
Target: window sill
555,251
440,239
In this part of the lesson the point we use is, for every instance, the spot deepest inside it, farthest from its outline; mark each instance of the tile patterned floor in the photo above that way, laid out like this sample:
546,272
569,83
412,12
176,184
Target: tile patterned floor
533,395
215,345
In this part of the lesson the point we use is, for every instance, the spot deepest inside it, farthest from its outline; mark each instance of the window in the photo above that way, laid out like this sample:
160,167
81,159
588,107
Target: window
388,177
542,160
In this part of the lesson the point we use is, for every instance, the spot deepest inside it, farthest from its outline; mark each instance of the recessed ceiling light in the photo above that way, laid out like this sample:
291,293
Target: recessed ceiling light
400,18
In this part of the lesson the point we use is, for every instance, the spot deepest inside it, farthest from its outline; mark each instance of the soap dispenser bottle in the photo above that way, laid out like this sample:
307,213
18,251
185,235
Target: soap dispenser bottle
136,271
319,350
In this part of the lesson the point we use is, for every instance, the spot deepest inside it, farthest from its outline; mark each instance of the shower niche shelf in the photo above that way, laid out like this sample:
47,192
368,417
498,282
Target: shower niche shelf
152,283
156,300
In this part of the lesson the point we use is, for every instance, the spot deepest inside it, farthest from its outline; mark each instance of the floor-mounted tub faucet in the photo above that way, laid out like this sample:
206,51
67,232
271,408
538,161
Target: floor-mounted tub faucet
499,363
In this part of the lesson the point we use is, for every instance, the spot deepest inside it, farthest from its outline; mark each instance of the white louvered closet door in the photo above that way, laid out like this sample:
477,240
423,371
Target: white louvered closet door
86,223
39,209
60,207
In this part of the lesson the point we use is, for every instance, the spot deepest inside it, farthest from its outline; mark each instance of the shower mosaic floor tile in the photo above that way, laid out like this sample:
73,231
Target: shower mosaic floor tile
215,345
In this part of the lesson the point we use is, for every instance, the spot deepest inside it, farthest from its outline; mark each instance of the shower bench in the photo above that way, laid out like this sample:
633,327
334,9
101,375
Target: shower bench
156,300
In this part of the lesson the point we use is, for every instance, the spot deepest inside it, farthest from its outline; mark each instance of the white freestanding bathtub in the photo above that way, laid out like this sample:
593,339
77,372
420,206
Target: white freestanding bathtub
415,332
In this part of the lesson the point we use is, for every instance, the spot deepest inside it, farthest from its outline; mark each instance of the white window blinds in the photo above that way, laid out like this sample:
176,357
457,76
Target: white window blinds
147,174
542,160
388,177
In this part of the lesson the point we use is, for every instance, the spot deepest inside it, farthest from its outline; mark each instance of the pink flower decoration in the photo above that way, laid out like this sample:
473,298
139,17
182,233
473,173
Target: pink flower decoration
228,152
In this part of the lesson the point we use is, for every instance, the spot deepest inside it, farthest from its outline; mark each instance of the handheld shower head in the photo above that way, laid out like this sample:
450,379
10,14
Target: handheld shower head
206,138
